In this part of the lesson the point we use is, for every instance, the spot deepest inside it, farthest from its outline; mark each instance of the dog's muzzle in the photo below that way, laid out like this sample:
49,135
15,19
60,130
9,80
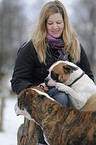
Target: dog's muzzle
49,82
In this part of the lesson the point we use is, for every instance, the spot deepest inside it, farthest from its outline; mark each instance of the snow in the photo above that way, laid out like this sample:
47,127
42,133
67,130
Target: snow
11,123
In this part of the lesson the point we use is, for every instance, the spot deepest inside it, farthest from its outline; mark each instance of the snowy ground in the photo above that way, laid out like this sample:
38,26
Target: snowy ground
10,124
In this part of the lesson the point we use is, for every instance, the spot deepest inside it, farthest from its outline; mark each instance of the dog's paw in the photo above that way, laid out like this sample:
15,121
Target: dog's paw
61,87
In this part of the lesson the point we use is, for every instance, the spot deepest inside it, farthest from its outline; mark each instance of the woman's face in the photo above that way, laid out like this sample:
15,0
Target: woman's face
55,25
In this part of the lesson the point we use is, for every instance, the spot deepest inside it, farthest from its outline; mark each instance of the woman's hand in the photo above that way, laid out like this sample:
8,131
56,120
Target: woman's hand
42,85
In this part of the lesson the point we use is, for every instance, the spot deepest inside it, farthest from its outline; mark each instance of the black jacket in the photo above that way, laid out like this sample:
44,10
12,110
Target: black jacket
28,71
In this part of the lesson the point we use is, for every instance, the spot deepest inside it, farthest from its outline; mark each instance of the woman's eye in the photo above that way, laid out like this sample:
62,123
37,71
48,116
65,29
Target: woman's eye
50,23
54,76
59,22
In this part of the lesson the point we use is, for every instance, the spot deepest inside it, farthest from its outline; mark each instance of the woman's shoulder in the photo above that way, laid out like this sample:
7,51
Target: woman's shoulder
27,47
27,50
28,44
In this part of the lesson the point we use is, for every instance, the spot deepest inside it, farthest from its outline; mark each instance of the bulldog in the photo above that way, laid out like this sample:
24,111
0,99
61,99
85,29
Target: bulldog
71,79
61,125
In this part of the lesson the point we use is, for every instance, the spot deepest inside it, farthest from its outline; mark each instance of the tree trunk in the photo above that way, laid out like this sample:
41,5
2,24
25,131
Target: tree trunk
28,133
1,112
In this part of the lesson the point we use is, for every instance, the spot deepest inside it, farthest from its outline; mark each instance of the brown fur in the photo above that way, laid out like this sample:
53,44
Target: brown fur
61,125
63,75
90,104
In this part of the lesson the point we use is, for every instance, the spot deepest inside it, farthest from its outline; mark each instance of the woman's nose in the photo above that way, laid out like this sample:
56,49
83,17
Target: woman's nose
55,25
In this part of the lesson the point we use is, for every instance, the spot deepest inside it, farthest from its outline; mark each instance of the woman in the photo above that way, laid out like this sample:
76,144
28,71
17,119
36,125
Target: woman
53,39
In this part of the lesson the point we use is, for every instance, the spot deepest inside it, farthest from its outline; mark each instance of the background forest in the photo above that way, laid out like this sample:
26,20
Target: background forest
16,19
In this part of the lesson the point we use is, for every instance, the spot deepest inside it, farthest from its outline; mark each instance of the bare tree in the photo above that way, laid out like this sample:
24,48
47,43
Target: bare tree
12,28
1,112
85,25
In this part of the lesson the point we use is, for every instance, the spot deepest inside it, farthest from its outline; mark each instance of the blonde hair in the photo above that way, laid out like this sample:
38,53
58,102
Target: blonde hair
71,43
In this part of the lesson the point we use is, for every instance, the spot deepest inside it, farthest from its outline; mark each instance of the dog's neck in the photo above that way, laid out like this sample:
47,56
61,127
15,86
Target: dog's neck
74,76
41,108
42,93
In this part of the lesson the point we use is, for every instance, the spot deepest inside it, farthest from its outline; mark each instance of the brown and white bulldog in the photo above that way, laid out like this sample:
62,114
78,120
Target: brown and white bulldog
61,125
73,81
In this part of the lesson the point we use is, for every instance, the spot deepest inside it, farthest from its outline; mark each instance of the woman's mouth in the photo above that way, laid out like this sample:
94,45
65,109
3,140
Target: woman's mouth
56,32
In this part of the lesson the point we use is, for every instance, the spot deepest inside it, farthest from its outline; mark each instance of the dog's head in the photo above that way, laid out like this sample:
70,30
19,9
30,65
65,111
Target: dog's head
28,100
60,72
24,101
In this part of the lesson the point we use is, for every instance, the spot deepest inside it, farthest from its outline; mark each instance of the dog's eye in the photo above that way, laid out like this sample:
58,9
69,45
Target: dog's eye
54,76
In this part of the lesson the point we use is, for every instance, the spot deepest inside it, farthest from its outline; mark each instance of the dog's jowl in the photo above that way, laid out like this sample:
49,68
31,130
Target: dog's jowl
61,125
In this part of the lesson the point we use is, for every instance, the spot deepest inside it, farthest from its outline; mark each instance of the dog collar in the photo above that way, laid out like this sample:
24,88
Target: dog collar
76,79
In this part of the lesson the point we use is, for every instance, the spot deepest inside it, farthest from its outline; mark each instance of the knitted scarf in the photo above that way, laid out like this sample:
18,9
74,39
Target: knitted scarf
55,48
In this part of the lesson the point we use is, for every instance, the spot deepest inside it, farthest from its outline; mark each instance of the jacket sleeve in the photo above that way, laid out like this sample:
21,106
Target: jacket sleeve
23,70
84,64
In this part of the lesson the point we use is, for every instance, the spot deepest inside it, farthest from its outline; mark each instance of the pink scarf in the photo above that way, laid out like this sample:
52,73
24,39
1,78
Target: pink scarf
56,47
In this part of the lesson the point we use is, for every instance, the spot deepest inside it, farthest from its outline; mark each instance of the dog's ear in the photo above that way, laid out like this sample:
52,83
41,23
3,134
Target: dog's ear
69,68
24,98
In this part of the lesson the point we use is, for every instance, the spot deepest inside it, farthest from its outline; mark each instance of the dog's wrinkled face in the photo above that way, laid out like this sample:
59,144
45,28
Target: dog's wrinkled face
22,106
23,112
27,100
59,72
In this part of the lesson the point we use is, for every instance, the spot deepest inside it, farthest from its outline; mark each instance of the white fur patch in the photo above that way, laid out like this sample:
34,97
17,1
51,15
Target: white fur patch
42,93
58,62
18,111
24,112
45,139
